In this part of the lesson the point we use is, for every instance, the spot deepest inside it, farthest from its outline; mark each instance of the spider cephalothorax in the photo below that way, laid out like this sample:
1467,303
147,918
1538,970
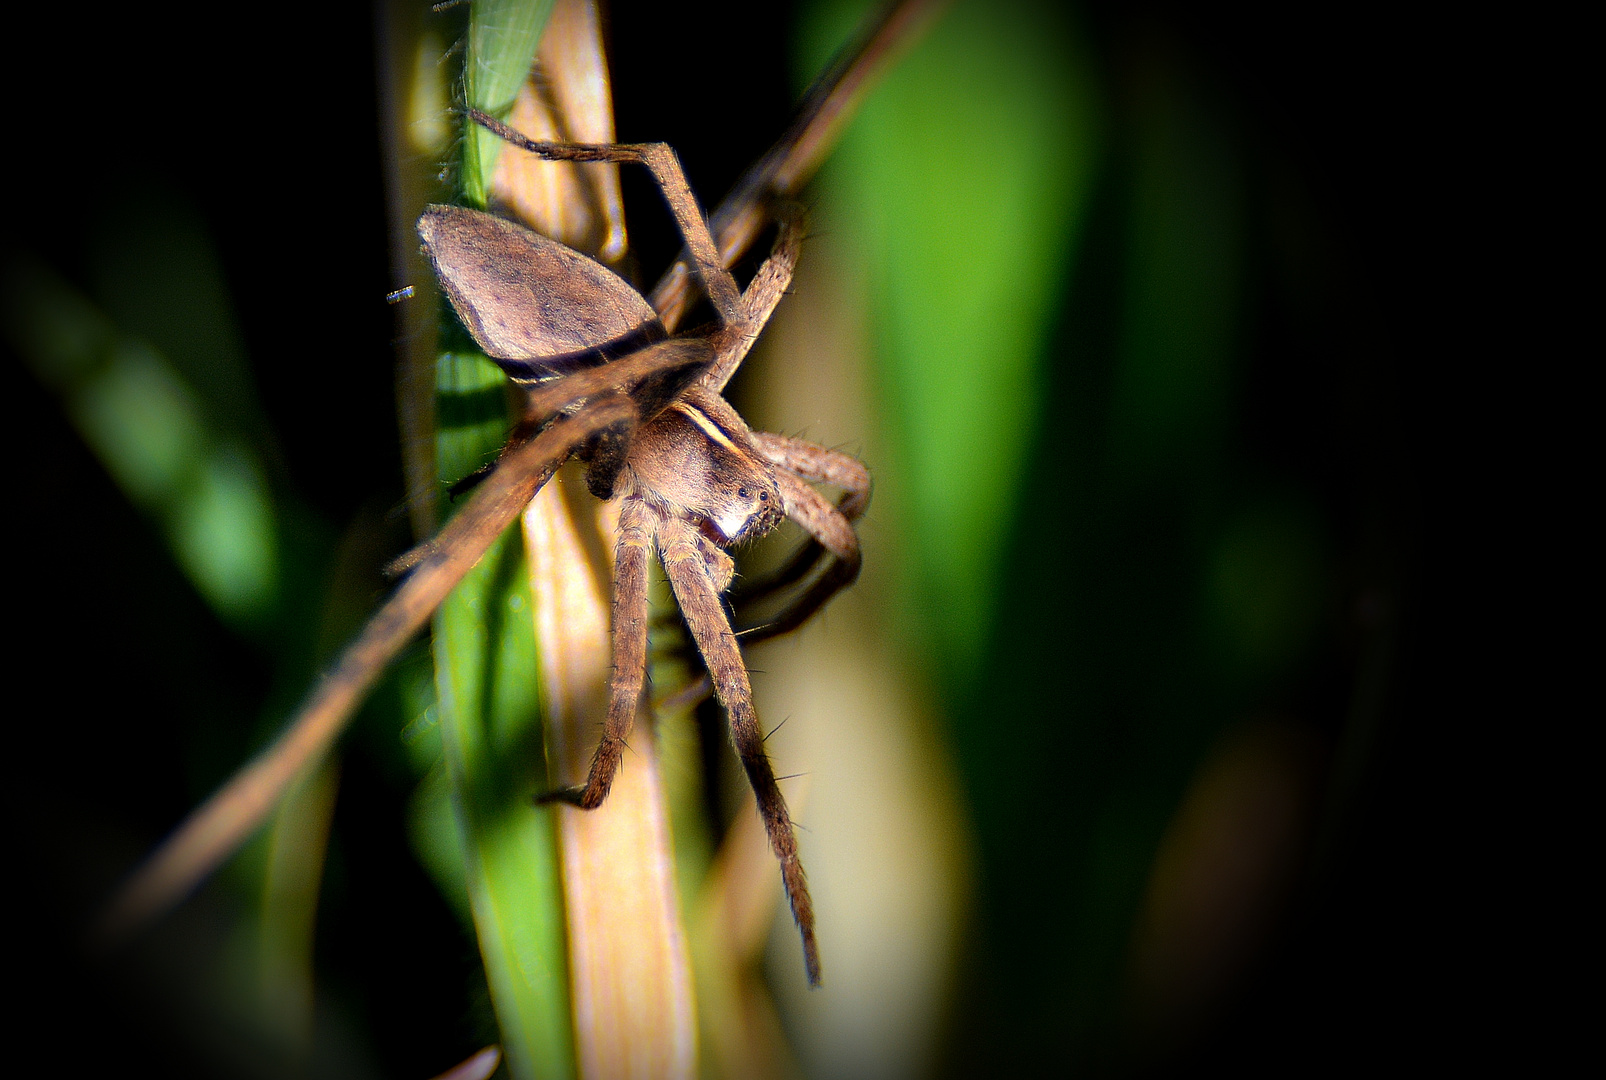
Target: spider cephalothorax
685,465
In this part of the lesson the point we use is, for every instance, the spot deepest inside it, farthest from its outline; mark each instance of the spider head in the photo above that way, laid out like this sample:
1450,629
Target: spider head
682,461
744,504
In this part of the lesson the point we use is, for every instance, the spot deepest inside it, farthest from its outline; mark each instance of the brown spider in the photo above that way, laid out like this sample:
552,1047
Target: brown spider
692,478
606,382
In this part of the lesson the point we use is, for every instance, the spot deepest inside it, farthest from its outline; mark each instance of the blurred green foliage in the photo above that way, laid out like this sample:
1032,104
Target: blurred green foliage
168,443
965,178
1104,573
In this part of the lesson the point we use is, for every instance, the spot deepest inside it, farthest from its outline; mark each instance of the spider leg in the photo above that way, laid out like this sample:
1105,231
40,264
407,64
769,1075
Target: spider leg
666,170
833,532
636,375
763,293
637,530
640,385
688,572
217,827
811,462
824,466
796,156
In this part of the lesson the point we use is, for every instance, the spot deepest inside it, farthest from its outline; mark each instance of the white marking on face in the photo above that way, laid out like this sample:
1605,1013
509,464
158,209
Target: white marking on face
732,523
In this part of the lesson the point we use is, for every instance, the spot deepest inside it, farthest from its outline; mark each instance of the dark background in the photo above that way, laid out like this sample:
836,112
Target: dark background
1428,148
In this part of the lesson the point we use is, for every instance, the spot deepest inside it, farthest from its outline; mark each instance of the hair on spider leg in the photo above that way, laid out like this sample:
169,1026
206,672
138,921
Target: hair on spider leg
665,621
405,563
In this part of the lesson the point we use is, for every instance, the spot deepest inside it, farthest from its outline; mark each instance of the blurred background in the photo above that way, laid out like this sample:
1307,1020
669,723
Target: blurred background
1163,731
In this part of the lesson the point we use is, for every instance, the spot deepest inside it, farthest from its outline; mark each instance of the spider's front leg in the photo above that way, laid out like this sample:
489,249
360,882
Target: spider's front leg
638,527
830,528
224,821
686,565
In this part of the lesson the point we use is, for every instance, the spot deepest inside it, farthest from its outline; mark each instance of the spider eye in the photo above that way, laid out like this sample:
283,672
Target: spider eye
763,496
741,493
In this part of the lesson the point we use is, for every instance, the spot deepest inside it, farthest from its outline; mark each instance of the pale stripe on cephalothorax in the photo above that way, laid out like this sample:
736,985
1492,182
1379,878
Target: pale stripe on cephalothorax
709,428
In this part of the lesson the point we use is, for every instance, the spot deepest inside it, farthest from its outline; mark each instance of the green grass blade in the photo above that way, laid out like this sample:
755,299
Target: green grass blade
153,432
502,36
488,708
490,726
176,438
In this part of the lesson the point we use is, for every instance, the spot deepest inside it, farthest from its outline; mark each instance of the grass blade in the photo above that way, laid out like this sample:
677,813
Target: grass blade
490,721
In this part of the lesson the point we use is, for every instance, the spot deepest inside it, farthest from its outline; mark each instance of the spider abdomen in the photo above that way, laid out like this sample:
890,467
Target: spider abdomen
527,298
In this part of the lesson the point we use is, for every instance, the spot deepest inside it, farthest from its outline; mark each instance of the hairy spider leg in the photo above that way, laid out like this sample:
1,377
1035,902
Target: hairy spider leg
685,564
814,462
763,293
634,546
698,572
833,532
833,541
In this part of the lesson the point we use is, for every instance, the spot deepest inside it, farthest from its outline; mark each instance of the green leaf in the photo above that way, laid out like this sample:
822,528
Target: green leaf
505,856
156,437
502,36
490,730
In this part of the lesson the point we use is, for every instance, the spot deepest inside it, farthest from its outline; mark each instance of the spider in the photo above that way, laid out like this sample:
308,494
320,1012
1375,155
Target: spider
657,435
606,382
